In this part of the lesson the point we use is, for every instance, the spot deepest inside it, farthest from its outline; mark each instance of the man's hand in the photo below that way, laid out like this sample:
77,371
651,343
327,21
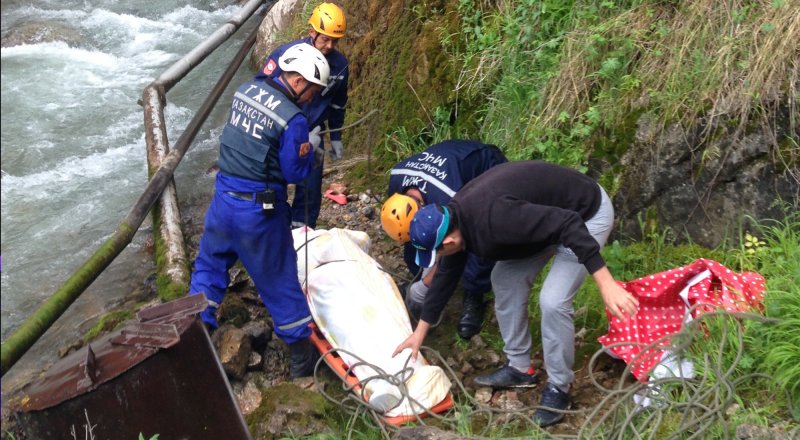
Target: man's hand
621,303
337,150
314,138
316,143
414,342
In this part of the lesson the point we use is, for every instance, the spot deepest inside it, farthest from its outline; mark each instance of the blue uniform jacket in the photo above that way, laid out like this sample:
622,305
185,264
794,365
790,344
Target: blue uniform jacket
329,104
438,173
266,137
442,169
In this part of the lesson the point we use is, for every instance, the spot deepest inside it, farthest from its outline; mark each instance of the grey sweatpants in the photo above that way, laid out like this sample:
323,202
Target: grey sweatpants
512,281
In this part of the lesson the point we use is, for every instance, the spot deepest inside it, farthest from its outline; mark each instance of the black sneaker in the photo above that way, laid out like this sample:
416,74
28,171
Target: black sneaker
554,398
471,316
508,377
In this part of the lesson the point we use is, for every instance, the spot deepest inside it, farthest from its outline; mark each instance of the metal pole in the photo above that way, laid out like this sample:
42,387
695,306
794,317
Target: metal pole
34,327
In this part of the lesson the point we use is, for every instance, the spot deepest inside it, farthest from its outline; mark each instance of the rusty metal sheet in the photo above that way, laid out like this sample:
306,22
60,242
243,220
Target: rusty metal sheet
176,310
148,335
158,376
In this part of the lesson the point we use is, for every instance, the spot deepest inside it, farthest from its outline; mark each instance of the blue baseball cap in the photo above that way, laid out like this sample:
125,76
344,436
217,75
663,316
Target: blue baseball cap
427,231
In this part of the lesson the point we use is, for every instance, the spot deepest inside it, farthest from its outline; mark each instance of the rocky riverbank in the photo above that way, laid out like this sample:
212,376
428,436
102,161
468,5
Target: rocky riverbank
257,364
274,406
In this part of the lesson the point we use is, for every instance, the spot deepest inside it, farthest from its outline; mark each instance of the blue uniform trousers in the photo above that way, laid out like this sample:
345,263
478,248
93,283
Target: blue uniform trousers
236,228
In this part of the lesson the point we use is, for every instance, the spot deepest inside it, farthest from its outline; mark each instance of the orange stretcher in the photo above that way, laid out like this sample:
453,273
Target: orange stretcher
339,367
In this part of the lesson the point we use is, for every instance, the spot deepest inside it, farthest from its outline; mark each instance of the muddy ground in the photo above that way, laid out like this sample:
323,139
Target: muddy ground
262,387
468,359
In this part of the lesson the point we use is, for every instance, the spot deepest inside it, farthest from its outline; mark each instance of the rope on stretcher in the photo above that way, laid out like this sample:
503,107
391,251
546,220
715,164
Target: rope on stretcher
699,402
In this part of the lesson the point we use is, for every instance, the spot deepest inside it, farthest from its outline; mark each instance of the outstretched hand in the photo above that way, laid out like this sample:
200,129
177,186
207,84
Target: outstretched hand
621,303
414,341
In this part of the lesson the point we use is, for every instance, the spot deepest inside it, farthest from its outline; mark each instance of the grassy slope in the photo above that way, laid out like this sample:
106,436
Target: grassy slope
565,82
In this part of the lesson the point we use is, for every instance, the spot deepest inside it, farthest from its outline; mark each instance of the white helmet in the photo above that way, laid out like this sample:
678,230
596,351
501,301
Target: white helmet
306,60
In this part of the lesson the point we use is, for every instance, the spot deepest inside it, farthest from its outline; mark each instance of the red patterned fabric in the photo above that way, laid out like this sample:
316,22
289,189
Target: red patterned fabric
662,310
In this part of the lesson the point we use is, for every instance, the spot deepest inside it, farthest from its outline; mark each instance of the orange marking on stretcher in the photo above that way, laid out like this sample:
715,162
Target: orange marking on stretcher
339,367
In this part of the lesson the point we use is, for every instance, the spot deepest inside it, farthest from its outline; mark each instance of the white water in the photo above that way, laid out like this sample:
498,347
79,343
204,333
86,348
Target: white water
73,151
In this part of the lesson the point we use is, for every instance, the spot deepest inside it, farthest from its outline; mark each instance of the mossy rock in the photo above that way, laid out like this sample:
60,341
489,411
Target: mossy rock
233,311
107,323
289,411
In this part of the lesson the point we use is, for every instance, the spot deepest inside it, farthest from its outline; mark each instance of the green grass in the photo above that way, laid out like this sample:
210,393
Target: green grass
107,323
564,81
567,81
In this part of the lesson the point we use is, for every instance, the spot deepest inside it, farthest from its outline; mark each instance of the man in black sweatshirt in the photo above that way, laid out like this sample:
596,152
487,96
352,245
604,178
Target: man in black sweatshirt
523,214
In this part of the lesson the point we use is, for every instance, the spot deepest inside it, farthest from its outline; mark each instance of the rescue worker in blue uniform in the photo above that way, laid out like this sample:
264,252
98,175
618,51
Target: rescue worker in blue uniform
434,176
263,146
328,26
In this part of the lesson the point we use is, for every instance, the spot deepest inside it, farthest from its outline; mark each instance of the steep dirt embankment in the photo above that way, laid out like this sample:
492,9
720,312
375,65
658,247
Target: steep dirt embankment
698,176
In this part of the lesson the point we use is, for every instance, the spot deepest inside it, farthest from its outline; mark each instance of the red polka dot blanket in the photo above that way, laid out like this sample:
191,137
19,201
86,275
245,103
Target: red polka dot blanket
665,300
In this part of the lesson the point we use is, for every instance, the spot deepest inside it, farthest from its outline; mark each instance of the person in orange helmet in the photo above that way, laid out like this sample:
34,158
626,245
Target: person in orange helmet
327,27
434,176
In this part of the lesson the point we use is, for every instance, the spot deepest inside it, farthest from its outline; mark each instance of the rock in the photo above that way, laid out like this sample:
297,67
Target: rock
239,278
425,433
293,413
277,19
233,311
483,395
71,348
276,362
477,342
509,401
33,32
483,359
368,212
234,352
304,383
673,177
255,362
149,285
248,397
259,332
754,432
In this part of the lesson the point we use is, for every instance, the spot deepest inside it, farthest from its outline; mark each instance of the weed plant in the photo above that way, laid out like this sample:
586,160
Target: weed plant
771,349
564,81
746,370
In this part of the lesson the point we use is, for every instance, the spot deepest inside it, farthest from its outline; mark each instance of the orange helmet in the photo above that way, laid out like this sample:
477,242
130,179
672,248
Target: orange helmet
396,215
328,19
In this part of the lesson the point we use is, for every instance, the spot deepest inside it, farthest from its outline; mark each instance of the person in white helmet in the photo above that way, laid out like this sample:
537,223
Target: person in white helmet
263,147
327,26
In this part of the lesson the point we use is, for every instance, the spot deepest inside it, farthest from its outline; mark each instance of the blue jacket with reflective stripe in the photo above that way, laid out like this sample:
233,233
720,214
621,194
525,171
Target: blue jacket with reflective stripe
442,169
329,104
264,138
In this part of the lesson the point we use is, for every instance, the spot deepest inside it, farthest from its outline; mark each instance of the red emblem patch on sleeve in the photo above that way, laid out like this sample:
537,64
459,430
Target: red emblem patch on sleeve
270,67
304,150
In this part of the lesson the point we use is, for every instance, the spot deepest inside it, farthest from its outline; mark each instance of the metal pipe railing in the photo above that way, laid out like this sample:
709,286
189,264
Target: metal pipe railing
34,327
172,265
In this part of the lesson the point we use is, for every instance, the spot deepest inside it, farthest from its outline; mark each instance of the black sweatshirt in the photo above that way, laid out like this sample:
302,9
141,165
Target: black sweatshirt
516,210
